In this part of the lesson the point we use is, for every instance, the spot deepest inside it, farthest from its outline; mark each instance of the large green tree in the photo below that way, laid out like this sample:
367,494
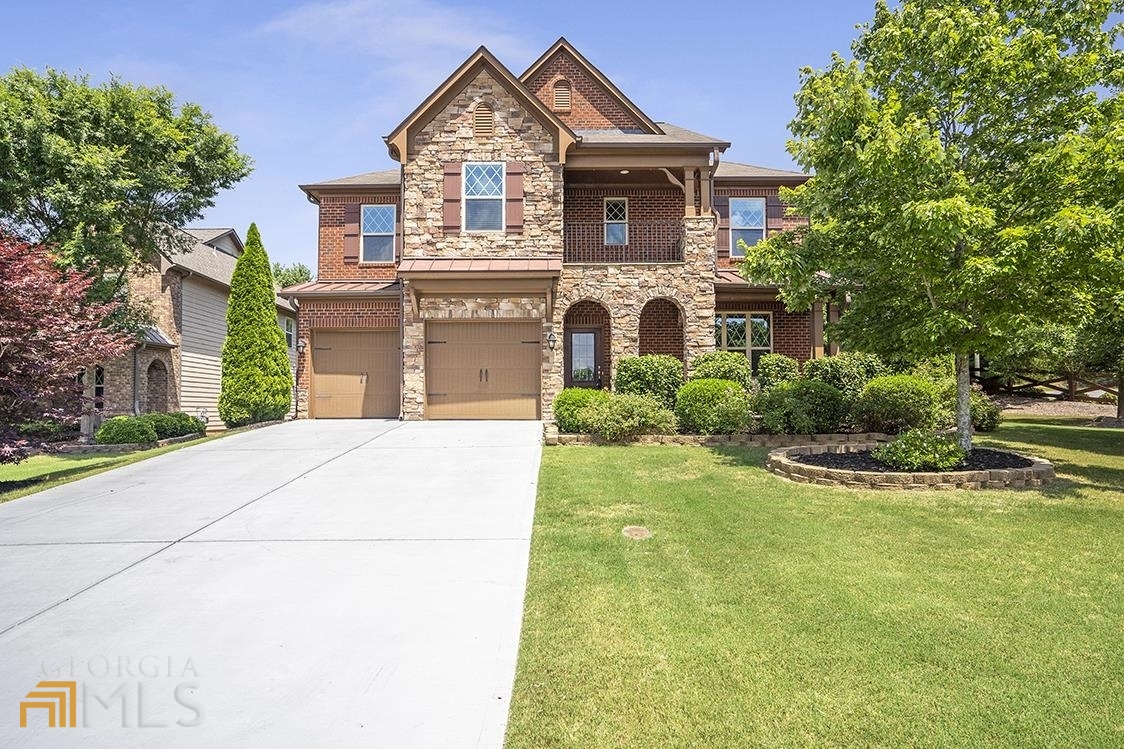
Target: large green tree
968,175
106,174
290,275
257,383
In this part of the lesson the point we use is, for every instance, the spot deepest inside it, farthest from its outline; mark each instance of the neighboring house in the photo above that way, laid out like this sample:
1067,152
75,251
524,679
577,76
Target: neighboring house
177,365
539,228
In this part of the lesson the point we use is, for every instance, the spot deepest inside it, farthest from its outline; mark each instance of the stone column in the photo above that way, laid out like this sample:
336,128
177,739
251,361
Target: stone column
413,358
699,258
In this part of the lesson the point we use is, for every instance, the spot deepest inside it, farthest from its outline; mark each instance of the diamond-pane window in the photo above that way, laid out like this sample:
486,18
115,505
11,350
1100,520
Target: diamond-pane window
747,223
616,220
483,197
759,332
377,224
744,333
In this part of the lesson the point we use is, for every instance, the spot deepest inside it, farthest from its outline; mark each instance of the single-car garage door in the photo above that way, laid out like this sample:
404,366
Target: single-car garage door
356,374
483,370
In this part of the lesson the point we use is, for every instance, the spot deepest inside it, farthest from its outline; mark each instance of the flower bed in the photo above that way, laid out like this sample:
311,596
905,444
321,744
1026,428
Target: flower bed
781,461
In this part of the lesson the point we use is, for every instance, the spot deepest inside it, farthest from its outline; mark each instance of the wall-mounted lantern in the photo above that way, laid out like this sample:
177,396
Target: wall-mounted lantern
551,340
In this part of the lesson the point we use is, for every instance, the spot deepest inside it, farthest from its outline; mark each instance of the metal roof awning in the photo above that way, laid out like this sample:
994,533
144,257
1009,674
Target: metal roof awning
341,288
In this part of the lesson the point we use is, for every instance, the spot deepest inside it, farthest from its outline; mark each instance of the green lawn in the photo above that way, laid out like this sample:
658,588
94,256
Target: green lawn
766,614
45,471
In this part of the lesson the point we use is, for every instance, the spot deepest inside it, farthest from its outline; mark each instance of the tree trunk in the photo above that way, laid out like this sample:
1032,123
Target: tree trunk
963,402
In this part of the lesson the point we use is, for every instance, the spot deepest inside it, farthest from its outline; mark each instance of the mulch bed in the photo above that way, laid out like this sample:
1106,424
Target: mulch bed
980,459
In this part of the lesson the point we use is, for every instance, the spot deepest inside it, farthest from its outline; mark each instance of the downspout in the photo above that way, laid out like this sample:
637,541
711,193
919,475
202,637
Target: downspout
136,378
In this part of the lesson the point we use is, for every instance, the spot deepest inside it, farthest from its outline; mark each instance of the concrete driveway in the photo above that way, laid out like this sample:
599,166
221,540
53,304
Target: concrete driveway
314,584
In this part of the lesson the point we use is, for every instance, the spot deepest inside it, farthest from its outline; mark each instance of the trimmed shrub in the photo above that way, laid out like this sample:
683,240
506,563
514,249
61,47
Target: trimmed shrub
724,365
850,372
713,406
774,369
657,375
177,424
621,417
125,430
921,450
802,407
569,403
257,384
895,403
986,413
49,430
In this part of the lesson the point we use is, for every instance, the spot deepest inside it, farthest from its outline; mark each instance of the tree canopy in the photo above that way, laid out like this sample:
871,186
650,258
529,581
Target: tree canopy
968,172
257,383
106,174
49,332
290,275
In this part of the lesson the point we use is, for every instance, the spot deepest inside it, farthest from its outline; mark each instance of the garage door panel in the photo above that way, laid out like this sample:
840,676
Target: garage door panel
356,374
483,370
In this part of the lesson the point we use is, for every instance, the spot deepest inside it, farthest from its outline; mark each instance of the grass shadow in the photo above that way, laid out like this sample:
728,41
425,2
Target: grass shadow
735,455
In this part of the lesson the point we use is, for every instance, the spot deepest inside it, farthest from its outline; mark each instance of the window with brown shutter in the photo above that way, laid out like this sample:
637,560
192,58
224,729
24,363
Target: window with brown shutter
562,95
483,121
513,199
351,233
451,199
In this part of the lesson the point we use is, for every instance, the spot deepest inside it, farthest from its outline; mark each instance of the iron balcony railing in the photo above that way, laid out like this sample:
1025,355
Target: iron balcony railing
644,242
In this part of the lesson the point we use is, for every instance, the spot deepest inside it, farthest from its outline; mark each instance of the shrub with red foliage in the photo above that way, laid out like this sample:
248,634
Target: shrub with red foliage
49,332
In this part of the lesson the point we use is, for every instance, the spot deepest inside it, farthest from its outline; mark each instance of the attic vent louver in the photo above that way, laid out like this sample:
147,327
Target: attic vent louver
483,121
562,95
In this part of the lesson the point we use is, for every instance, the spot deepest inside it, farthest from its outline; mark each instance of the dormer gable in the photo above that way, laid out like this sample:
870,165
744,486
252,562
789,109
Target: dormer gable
581,95
400,140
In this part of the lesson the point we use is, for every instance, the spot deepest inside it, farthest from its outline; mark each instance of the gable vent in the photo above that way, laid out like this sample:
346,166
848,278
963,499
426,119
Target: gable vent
483,121
562,95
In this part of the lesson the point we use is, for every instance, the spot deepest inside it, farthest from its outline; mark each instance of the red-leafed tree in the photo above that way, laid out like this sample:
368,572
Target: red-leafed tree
49,332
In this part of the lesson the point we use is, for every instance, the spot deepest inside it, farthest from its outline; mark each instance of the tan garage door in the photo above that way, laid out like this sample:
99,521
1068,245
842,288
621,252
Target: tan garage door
483,370
355,374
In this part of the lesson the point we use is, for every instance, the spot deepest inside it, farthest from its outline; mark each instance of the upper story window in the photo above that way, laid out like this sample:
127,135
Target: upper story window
377,223
562,95
483,121
616,220
289,333
483,197
747,223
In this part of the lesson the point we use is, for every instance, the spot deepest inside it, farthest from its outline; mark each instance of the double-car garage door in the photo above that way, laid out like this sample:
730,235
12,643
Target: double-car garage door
474,370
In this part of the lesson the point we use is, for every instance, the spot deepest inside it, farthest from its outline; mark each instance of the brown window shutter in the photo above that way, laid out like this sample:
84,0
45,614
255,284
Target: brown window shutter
774,213
721,205
451,197
398,246
351,233
514,189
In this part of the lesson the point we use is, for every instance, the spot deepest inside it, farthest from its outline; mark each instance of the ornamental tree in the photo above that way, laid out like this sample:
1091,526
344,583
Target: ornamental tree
106,174
968,175
257,384
49,332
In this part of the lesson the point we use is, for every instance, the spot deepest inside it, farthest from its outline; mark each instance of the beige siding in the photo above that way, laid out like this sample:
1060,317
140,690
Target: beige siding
204,330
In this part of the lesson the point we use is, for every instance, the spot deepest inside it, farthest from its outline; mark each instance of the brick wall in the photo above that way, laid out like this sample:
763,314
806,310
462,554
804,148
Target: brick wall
588,314
775,218
661,329
792,331
331,266
592,106
336,314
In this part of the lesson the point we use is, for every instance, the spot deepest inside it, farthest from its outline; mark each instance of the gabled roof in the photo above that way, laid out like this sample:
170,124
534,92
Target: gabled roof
208,261
732,170
672,135
210,236
478,61
562,45
380,180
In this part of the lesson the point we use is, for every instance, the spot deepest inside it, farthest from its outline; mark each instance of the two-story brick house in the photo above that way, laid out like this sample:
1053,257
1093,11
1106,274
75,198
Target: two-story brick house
539,228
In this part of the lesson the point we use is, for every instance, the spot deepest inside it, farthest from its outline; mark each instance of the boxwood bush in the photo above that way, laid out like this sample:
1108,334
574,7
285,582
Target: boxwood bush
921,450
802,407
621,417
896,403
986,413
125,430
569,403
850,372
713,406
775,369
724,365
657,375
176,424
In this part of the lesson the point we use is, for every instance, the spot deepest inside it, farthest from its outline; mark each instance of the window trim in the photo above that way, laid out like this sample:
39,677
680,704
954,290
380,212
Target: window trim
502,197
749,347
290,333
393,234
734,253
605,222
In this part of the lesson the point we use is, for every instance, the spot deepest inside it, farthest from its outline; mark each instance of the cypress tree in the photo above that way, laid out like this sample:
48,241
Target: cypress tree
257,384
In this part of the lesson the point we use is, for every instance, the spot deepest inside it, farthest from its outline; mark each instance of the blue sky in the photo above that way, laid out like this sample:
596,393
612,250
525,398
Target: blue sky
311,87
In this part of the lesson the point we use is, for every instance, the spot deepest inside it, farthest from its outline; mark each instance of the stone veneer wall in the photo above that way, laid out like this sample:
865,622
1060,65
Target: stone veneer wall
625,289
449,138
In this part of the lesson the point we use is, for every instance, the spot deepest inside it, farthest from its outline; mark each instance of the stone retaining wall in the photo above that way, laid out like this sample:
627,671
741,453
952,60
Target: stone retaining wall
780,462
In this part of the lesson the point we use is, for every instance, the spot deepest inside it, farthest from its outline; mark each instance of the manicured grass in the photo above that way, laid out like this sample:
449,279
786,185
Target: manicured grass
766,614
45,471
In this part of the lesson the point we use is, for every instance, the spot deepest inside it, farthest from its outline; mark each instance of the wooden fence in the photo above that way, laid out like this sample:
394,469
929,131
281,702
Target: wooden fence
1085,387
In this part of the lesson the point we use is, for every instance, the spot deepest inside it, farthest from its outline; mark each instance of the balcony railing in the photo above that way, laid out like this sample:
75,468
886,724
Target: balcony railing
646,242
